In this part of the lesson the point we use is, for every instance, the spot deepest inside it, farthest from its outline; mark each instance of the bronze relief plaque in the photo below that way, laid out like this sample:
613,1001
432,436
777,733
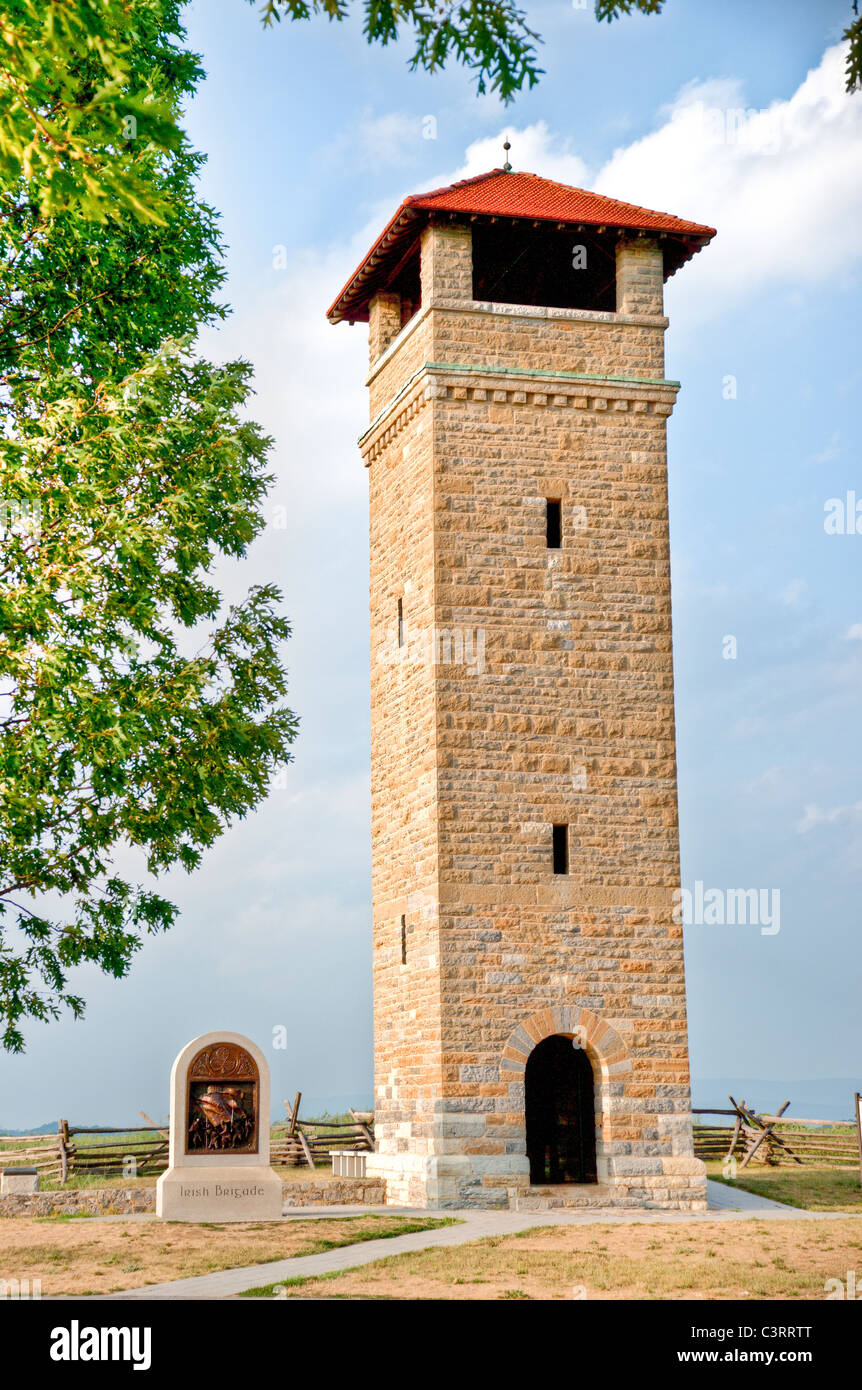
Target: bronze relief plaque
222,1091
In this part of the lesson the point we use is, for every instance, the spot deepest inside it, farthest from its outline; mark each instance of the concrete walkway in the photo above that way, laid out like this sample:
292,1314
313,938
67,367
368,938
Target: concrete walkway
725,1204
723,1198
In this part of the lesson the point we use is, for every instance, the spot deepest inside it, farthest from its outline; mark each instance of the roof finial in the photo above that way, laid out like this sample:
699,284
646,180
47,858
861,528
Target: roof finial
507,168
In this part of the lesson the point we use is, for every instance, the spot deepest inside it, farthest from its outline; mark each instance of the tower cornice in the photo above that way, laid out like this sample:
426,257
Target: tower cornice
514,386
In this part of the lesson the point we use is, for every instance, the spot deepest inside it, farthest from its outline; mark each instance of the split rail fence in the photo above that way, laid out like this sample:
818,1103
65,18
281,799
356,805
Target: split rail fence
78,1152
761,1138
74,1151
296,1142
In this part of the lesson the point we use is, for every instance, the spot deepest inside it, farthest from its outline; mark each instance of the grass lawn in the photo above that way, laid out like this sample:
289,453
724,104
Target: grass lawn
79,1181
713,1260
815,1189
81,1257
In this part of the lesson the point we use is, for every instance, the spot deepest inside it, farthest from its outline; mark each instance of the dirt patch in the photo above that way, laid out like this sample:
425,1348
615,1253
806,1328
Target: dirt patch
89,1256
714,1260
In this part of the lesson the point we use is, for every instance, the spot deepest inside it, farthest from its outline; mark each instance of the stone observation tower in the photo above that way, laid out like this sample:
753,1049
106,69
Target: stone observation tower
529,992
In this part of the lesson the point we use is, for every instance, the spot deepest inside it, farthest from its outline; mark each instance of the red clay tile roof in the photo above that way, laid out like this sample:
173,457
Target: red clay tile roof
509,195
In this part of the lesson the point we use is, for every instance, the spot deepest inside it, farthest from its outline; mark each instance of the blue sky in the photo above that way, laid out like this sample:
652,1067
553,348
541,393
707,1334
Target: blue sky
313,138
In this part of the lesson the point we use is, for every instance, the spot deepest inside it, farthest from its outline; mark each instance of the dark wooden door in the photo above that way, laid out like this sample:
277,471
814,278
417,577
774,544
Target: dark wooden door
560,1113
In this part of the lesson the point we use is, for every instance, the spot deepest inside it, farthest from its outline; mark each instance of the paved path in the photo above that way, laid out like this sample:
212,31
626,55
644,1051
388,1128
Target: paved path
725,1204
723,1198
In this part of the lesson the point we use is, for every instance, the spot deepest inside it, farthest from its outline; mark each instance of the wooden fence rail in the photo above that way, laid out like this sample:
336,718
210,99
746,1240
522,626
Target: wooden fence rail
39,1151
111,1151
825,1142
296,1141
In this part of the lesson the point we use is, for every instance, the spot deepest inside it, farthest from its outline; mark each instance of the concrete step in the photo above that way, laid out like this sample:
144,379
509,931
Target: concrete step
586,1196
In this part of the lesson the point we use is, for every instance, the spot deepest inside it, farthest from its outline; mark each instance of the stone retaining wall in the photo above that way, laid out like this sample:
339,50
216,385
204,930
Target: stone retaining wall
123,1201
330,1194
93,1201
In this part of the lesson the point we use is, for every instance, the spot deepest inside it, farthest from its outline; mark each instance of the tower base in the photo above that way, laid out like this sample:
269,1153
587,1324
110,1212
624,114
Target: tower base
462,1180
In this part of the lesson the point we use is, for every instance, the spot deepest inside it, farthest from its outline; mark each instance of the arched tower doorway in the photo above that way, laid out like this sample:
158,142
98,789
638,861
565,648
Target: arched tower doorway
560,1111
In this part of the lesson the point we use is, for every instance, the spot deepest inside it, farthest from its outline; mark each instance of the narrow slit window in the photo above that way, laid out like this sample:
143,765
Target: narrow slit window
403,940
561,849
553,523
400,623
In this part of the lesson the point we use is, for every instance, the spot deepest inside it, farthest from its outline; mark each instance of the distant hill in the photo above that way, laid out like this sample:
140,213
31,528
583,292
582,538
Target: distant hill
40,1129
52,1129
824,1098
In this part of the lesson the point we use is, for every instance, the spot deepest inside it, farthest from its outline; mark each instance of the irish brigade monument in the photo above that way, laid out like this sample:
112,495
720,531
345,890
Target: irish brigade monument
219,1135
530,1029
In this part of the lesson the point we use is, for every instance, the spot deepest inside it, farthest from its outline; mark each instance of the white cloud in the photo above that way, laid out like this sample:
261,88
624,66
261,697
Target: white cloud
769,785
831,451
853,633
302,366
791,594
815,815
534,148
374,141
749,726
781,185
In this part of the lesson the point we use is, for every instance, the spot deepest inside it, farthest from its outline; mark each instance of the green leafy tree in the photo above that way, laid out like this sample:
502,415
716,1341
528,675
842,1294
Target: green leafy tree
489,36
853,35
138,716
87,91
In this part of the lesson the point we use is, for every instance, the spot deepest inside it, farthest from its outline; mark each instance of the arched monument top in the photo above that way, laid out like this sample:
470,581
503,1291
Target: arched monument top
219,1047
223,1061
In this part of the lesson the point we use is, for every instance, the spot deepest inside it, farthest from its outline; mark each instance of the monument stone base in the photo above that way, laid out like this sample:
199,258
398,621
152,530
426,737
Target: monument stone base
17,1180
219,1194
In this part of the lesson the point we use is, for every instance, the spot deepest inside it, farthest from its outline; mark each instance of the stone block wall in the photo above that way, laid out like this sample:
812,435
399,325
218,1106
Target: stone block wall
640,276
447,262
384,324
403,791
